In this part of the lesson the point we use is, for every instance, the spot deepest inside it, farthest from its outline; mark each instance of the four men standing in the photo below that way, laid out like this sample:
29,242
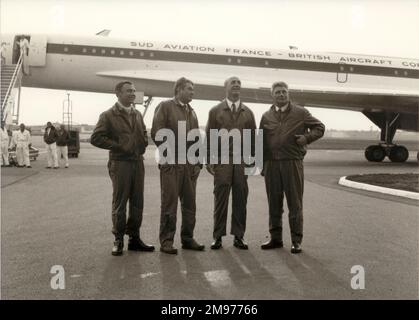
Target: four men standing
287,129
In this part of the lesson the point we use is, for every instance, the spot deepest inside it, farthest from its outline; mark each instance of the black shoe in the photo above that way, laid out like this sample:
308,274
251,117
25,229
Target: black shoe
118,246
193,245
296,248
136,244
47,167
217,244
168,249
272,244
28,167
239,243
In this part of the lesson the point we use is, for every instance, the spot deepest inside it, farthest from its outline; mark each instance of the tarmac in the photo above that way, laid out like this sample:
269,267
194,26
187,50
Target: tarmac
63,218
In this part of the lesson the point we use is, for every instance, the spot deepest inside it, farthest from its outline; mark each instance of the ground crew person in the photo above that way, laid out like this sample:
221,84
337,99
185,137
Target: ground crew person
4,146
177,180
22,140
230,114
62,141
50,138
122,131
287,129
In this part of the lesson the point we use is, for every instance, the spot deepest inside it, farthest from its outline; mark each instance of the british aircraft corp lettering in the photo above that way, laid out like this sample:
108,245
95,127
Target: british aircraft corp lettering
308,56
411,64
364,60
260,53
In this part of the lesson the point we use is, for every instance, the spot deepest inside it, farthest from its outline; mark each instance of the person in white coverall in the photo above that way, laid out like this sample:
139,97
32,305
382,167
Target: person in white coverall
4,146
22,140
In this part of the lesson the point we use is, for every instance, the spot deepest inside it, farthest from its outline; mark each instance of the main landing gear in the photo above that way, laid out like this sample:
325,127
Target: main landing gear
377,153
396,153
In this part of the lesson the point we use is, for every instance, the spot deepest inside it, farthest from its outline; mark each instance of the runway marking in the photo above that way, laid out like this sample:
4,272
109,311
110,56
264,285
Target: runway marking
218,278
148,274
245,269
19,180
122,275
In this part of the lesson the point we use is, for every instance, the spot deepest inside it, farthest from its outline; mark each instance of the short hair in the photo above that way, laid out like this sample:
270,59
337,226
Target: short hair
181,84
118,87
278,84
228,79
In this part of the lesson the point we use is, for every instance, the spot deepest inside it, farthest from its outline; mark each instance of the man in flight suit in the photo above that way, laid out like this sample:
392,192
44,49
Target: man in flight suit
22,140
122,131
287,129
5,141
177,180
230,114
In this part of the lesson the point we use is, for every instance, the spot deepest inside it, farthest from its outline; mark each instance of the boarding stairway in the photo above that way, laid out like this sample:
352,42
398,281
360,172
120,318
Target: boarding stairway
11,76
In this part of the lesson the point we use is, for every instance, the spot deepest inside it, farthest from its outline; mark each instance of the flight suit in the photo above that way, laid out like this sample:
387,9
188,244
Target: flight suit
283,165
4,147
176,180
230,176
22,140
124,134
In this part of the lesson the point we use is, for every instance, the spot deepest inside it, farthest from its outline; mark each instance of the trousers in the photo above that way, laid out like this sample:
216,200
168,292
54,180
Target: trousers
128,186
285,177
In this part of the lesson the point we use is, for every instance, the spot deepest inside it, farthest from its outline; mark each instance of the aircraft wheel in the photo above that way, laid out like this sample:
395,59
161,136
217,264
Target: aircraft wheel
398,154
375,153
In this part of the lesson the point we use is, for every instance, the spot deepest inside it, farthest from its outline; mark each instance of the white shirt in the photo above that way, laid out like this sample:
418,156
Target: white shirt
127,109
230,104
185,105
283,108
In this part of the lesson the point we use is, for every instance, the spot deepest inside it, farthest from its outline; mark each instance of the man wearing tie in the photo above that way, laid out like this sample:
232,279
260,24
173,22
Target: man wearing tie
230,114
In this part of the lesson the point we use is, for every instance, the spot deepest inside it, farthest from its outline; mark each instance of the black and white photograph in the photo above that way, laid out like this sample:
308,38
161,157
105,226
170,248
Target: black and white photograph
218,152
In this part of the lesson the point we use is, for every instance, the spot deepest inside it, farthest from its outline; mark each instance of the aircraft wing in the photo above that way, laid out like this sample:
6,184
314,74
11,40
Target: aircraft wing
207,79
210,86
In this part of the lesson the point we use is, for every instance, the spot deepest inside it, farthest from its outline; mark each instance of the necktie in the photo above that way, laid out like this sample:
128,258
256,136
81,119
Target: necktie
233,108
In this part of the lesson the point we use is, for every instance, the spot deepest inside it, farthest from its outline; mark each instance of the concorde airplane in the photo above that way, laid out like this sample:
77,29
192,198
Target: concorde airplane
385,89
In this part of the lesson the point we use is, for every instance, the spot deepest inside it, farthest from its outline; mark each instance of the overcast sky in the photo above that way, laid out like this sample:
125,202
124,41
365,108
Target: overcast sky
388,28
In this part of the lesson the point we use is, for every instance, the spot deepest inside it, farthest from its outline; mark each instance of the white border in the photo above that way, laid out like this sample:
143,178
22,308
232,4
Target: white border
363,186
